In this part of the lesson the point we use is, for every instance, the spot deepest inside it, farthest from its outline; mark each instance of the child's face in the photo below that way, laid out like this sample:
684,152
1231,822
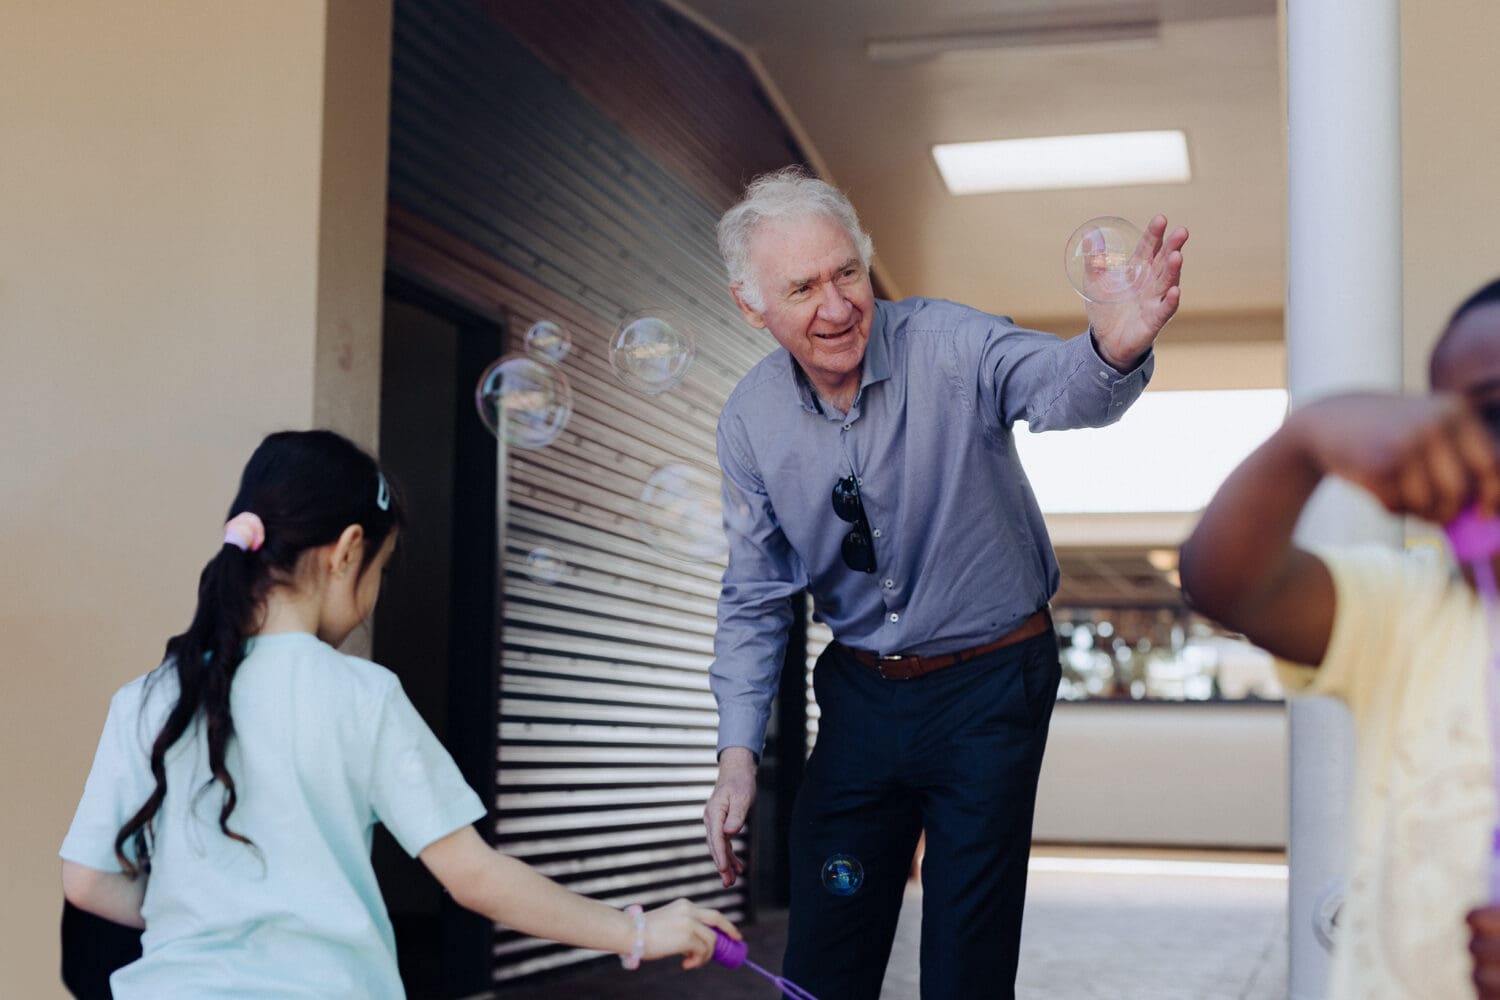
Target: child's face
1469,363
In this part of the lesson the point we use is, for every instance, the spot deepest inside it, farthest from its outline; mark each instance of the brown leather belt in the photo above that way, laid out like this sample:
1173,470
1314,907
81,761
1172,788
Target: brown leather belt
904,668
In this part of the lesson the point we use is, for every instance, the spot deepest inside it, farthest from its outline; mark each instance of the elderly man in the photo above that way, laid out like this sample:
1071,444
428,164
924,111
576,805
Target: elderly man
870,461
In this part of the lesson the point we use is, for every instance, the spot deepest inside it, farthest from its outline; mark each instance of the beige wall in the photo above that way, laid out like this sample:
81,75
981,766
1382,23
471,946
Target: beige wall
351,220
1190,365
1450,145
162,297
1184,775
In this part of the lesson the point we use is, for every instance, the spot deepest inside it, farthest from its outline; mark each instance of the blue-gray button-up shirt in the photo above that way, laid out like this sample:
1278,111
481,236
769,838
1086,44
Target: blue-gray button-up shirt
961,551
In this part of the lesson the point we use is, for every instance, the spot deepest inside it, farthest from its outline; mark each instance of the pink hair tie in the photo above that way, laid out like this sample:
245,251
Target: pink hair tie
245,531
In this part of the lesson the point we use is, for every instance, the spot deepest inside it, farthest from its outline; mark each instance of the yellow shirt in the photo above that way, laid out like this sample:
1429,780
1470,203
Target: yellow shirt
1409,654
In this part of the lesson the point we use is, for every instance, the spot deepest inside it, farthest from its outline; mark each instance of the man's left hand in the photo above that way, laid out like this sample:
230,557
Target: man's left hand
1123,331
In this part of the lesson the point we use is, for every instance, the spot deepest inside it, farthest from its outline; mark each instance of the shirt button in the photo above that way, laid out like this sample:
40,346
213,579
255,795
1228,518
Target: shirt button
888,584
876,533
1104,375
846,427
895,617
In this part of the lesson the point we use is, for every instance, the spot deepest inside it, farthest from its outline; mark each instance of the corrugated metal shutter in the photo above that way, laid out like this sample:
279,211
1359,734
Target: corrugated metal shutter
511,191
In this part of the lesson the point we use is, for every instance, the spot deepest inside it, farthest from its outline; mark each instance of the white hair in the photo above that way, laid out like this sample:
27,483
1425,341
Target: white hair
788,193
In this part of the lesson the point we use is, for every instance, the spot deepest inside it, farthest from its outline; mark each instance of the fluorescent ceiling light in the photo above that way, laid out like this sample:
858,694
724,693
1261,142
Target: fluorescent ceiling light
1109,159
1167,454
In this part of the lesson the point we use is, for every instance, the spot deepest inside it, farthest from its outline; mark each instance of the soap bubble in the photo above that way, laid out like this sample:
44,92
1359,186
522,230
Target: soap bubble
651,354
1104,262
530,401
548,342
680,513
843,875
543,565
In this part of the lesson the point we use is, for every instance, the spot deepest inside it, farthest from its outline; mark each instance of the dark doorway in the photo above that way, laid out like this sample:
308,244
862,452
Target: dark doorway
436,621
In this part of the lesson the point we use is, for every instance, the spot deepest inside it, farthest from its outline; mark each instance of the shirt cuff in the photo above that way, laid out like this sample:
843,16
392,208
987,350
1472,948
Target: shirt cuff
742,727
1121,388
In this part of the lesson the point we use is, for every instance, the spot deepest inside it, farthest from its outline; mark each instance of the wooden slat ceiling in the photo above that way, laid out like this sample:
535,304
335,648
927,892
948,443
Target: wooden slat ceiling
1117,577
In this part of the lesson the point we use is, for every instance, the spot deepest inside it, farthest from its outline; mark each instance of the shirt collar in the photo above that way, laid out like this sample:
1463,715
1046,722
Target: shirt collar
877,363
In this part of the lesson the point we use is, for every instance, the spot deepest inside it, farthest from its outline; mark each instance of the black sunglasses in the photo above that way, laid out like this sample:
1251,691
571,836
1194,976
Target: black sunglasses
858,548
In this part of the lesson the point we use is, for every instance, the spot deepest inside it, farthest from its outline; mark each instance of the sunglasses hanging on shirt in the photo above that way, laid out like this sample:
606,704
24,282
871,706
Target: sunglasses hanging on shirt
858,548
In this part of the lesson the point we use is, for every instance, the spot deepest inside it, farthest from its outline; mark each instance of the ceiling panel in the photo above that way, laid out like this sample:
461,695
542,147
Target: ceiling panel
1117,578
1213,71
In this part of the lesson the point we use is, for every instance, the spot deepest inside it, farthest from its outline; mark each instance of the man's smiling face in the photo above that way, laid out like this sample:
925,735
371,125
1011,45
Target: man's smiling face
819,302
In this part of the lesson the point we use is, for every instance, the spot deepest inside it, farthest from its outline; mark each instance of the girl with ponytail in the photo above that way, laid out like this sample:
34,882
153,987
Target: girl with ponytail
232,799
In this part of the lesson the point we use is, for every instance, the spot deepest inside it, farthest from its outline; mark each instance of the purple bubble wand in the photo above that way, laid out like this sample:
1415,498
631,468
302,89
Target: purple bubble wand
731,954
1476,542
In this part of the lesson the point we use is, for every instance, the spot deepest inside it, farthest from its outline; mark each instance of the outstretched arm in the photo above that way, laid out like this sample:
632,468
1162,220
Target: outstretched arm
1425,457
511,892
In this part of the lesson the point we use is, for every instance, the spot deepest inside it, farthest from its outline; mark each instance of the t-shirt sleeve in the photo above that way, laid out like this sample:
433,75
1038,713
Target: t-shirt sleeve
416,789
118,785
1373,595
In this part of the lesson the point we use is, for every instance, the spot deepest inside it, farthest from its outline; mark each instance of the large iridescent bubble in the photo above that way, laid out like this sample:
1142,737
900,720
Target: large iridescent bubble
651,353
1104,260
680,513
526,400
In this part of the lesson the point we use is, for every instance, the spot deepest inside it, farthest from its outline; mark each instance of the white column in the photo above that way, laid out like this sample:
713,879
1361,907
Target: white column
1343,332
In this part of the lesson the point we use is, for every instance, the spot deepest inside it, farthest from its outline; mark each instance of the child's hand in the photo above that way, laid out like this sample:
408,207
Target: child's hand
1485,947
682,928
1428,457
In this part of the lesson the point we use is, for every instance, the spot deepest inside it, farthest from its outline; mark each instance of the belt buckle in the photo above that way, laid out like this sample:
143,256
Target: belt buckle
894,657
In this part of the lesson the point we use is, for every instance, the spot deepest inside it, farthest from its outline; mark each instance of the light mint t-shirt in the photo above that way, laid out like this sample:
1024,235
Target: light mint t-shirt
325,746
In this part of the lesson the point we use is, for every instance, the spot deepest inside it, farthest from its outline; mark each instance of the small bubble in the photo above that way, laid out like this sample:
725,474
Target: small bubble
548,342
543,566
527,401
651,354
680,513
843,875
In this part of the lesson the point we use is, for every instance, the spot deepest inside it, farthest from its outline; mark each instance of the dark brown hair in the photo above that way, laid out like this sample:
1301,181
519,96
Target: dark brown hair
306,487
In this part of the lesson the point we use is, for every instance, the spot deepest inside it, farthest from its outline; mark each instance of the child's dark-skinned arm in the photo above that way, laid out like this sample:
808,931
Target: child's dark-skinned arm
1427,457
1484,945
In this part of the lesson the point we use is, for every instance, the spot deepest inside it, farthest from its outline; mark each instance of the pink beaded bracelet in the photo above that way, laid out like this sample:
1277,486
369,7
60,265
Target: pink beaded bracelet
633,960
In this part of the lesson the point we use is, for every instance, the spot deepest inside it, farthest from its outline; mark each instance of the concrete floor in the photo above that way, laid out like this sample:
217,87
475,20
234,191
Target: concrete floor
1176,930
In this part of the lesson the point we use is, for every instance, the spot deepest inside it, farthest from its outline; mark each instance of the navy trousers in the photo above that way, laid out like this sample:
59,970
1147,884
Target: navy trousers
955,753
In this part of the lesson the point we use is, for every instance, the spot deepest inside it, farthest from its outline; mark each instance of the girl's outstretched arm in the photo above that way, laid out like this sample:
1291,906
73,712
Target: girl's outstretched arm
512,893
111,895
